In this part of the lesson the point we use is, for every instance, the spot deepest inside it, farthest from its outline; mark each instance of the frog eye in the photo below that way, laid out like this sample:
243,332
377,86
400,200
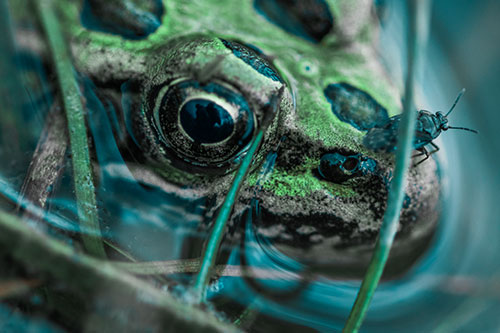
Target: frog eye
204,125
199,105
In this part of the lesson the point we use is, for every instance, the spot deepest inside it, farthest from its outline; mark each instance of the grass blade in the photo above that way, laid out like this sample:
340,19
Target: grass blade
11,90
221,221
82,170
215,239
184,266
419,18
47,164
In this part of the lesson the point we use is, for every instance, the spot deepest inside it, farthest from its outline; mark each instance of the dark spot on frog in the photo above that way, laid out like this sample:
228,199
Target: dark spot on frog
252,58
132,19
308,19
351,164
355,106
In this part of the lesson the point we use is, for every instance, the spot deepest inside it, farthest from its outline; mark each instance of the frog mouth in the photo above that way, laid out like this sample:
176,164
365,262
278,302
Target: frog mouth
336,235
331,246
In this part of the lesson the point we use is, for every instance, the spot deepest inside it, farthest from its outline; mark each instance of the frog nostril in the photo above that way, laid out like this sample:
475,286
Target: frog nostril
351,164
338,168
331,168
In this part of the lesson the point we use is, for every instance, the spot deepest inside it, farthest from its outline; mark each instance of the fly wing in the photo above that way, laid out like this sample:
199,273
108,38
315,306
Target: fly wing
380,139
427,129
383,137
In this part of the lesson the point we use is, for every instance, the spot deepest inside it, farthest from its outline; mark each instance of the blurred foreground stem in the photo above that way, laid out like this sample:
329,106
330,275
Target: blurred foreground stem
70,93
418,15
118,301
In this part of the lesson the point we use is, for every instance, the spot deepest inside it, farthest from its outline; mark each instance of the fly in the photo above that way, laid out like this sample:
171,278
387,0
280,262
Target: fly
383,136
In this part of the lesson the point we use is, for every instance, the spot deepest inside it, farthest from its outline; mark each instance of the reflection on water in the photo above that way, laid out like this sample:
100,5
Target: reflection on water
453,285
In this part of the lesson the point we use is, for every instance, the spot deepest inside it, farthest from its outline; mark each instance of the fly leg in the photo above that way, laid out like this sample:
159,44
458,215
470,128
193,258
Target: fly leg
436,148
424,151
421,151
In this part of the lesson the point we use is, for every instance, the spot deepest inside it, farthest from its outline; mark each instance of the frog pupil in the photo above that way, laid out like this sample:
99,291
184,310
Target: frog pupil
205,121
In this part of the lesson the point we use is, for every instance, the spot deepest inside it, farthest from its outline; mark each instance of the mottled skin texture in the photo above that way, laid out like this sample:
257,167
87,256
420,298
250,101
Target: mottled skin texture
332,225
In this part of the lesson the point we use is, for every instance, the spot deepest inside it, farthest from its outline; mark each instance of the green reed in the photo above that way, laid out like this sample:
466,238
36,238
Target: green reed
71,98
418,14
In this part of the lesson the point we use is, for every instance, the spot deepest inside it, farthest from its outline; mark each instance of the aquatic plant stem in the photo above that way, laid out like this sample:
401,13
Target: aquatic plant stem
418,24
221,221
71,97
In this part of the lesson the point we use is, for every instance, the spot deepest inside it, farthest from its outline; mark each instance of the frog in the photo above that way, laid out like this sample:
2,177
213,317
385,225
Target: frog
192,81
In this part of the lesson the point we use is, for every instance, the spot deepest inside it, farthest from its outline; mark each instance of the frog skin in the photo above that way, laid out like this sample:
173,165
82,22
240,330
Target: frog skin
325,215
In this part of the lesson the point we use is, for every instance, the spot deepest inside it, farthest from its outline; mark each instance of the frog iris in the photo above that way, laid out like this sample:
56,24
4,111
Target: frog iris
203,124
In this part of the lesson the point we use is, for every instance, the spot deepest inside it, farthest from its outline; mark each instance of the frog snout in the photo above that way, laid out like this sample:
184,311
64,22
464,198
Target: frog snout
324,207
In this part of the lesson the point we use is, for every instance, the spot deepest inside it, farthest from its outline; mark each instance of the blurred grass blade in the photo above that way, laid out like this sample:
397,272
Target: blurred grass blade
418,26
82,170
160,267
47,164
247,317
184,266
124,302
11,92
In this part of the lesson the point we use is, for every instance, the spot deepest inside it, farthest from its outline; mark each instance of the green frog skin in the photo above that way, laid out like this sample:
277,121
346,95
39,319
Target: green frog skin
327,215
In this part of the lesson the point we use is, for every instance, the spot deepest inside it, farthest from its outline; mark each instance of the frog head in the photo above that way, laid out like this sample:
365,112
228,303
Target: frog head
192,89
